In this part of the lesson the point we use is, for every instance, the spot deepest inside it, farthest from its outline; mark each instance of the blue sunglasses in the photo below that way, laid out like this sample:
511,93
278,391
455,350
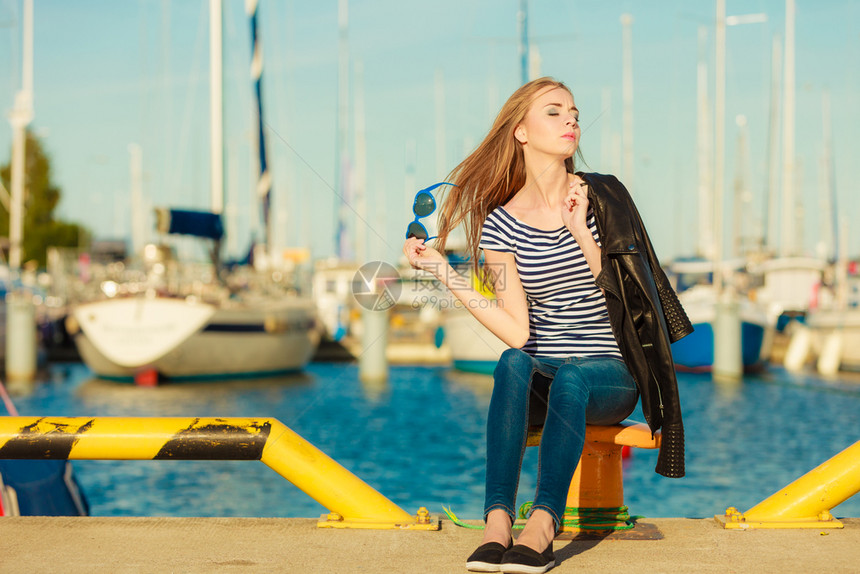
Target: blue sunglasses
424,205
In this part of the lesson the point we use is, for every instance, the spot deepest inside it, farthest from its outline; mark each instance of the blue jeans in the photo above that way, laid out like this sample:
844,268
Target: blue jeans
569,393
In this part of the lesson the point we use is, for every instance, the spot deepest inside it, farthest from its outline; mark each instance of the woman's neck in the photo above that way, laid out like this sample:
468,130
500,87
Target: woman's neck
546,186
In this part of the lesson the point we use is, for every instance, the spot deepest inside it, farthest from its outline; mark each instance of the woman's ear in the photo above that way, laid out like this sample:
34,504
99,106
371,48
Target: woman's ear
520,134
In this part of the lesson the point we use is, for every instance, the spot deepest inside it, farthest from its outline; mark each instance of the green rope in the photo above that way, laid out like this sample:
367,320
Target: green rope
579,518
606,518
458,522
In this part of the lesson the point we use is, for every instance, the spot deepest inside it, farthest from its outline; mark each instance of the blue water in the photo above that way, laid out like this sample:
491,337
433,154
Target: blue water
419,440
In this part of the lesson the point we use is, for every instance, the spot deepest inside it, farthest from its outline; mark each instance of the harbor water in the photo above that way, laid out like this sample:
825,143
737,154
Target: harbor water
419,439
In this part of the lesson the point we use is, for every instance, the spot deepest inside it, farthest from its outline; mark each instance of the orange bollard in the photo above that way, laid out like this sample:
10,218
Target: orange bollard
599,481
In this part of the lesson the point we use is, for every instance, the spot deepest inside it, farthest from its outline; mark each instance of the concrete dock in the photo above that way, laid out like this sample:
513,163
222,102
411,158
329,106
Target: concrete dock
95,545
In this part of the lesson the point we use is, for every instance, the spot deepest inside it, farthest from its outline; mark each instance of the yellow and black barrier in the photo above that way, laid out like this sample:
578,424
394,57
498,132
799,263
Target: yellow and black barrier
351,502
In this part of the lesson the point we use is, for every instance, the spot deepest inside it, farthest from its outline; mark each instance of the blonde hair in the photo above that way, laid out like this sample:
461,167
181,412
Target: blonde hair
491,174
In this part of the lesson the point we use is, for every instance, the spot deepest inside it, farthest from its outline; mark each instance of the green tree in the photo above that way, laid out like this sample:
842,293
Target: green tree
41,230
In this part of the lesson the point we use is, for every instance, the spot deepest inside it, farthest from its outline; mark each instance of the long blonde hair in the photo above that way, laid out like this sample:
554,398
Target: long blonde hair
491,174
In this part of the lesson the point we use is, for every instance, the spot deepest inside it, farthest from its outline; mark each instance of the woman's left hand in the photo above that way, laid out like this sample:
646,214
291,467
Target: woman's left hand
575,207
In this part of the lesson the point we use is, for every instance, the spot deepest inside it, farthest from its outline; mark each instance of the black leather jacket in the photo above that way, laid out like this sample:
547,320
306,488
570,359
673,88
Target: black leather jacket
644,312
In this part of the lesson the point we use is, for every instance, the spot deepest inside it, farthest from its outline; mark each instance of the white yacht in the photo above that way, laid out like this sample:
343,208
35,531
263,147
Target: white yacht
161,327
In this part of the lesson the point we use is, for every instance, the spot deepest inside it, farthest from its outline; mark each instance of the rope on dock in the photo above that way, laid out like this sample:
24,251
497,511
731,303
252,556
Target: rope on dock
614,518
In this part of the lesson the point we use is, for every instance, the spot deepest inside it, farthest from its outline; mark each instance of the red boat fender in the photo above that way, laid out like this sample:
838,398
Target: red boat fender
147,378
813,296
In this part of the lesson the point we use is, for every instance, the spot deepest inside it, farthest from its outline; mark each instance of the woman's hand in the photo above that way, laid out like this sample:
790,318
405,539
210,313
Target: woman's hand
574,209
424,257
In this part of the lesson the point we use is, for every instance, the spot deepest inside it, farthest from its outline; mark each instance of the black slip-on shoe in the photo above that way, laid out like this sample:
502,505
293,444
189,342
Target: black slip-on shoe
523,560
486,558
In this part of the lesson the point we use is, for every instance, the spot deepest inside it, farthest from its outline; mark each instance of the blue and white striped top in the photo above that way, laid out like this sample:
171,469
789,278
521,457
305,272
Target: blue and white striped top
567,311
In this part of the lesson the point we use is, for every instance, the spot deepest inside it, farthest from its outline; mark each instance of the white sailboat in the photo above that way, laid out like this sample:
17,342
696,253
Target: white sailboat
830,334
144,337
162,325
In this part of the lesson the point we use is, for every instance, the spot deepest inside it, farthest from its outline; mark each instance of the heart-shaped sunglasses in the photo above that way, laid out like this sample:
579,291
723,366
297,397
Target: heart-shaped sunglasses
424,205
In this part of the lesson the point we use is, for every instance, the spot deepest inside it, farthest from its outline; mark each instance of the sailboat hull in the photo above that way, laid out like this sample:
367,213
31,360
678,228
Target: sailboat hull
695,352
204,341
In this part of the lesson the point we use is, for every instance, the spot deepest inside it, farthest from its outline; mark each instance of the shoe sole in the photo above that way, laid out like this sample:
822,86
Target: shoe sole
482,567
523,569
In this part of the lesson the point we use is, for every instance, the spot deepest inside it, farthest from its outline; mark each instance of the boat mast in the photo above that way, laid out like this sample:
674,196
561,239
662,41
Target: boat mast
20,118
138,220
341,167
360,181
789,207
627,98
741,219
216,107
770,228
719,141
706,233
523,21
264,181
831,215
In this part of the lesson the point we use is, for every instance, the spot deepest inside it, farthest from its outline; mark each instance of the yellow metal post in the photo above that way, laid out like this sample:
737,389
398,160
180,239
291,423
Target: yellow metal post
352,502
806,502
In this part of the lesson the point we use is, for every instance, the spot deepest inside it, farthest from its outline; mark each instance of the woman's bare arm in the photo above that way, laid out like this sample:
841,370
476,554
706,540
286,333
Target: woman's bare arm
506,316
590,250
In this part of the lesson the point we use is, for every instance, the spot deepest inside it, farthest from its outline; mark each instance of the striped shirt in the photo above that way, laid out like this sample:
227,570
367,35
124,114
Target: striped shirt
567,311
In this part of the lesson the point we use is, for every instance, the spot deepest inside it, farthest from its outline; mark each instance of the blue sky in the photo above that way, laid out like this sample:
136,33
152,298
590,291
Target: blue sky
108,74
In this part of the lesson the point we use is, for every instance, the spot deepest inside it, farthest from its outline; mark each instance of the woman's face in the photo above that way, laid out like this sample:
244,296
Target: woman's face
551,125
